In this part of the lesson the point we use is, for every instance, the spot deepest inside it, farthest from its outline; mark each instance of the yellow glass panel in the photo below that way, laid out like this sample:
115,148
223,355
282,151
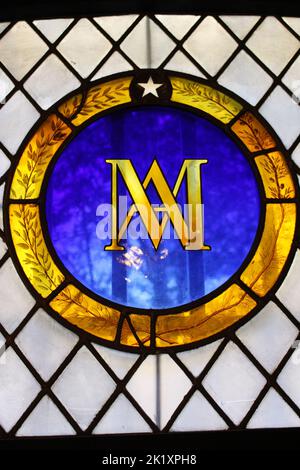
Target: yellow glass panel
268,261
141,326
31,248
29,174
70,107
204,321
252,133
86,313
275,175
203,97
102,97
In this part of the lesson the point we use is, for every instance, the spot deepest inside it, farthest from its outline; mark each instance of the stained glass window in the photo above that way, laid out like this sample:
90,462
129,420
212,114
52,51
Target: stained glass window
142,332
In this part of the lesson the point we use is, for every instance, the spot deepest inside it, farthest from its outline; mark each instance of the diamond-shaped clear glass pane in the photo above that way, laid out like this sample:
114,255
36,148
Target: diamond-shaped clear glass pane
83,387
52,343
84,47
20,49
234,382
18,389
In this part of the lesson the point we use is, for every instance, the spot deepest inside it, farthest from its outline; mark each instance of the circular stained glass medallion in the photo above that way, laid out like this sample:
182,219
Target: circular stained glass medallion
79,188
152,211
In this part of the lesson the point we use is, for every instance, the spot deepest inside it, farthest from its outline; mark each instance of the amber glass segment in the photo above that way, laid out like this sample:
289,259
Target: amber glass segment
138,331
86,313
272,252
204,321
203,97
275,175
70,107
252,133
31,249
29,174
102,97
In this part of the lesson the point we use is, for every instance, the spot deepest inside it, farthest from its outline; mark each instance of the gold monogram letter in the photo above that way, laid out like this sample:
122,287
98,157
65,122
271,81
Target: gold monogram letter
190,234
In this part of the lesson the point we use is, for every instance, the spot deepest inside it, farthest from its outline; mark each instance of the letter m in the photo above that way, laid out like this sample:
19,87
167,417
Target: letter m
190,232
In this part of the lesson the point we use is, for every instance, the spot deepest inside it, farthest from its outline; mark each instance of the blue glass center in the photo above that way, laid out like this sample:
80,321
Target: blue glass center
141,276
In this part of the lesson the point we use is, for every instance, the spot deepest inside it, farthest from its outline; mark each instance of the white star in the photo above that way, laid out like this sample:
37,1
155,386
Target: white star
150,87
